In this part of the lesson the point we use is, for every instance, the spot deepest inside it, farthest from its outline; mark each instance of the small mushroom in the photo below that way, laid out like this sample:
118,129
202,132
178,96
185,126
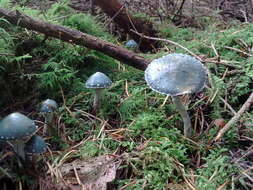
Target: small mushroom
47,109
177,74
98,81
36,145
16,129
131,44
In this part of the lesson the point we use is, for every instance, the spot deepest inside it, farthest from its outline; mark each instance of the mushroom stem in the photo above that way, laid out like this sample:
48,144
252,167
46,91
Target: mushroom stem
182,111
49,117
19,149
97,97
49,125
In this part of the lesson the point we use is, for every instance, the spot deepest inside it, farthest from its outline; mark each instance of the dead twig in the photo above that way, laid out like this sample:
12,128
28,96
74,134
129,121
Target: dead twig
179,11
234,119
7,54
223,185
203,60
223,62
234,72
239,51
228,106
169,41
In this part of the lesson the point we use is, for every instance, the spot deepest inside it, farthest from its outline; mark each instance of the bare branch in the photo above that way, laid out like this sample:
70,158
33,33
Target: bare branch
75,37
234,119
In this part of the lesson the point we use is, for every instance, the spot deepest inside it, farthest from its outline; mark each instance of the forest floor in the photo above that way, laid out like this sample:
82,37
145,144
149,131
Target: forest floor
135,140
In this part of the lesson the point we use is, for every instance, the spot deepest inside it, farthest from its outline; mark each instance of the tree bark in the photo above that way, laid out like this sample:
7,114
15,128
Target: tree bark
75,37
122,17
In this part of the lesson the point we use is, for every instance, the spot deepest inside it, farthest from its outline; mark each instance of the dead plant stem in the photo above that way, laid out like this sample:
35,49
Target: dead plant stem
235,118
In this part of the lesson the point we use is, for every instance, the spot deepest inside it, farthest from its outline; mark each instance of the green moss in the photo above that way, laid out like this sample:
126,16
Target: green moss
135,124
88,24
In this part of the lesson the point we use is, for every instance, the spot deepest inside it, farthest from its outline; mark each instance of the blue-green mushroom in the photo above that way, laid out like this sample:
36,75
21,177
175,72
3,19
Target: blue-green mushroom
35,146
47,110
132,45
177,74
16,129
98,81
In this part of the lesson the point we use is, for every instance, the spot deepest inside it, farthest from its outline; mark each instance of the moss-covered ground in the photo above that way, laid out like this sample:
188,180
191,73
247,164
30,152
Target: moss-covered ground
134,124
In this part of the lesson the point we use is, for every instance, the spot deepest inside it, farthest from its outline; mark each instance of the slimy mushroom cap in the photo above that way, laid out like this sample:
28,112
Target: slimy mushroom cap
98,80
176,74
48,106
132,44
16,126
36,145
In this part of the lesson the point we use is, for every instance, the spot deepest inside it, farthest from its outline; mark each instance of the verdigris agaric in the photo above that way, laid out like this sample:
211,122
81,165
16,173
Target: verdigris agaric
98,81
17,129
47,109
177,74
131,44
36,145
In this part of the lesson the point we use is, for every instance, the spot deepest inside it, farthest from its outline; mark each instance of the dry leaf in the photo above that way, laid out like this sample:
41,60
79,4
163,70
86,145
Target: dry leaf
219,122
92,174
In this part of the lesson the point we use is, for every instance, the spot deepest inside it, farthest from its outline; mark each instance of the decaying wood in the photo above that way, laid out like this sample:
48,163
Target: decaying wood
122,17
75,37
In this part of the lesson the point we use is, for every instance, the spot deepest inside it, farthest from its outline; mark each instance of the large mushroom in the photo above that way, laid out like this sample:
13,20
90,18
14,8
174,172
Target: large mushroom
177,74
98,81
17,129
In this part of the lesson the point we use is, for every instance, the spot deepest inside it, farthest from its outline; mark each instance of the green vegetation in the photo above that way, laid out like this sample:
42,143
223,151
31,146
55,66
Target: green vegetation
133,122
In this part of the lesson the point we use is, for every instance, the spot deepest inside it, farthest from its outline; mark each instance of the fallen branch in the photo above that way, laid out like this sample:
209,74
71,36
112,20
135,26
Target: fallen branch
121,16
75,37
235,118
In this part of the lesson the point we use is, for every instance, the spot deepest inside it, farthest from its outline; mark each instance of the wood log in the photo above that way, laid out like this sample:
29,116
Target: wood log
126,21
75,37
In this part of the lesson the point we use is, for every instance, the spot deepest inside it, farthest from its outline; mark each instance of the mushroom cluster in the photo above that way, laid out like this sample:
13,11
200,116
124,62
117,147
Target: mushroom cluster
174,74
17,130
177,74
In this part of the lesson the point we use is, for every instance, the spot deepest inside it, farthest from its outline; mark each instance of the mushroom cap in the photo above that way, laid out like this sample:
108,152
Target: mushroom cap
48,106
131,44
45,109
176,74
16,126
36,145
98,80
